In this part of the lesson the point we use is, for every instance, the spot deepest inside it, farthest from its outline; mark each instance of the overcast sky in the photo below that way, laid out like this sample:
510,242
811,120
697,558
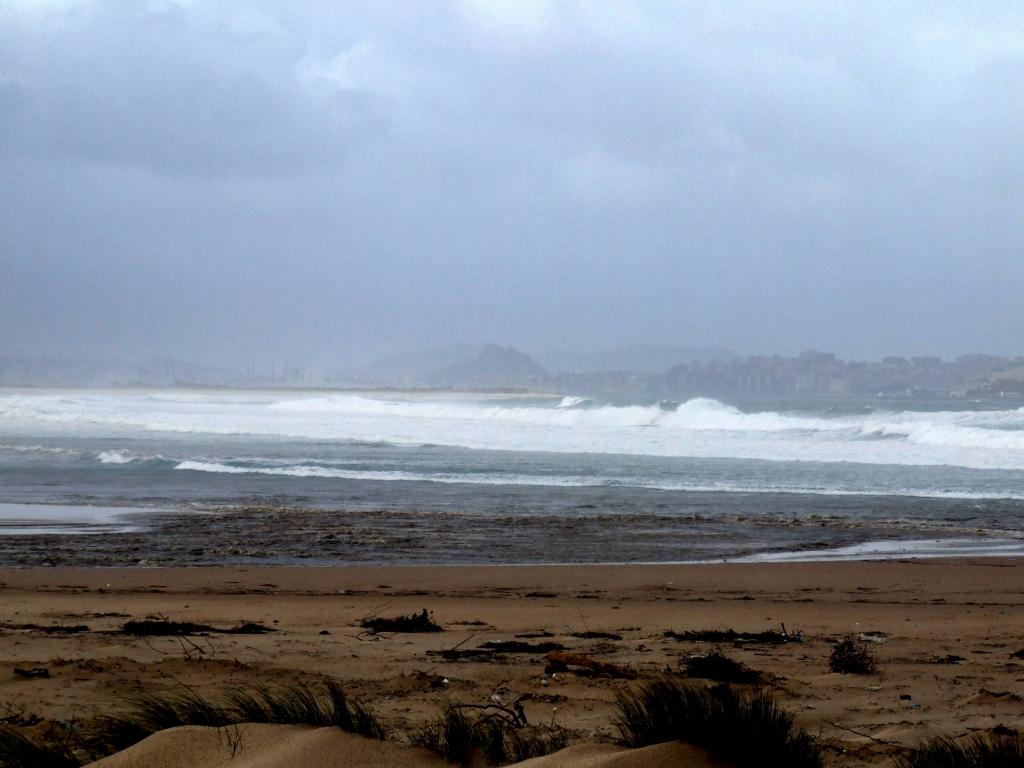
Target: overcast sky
320,182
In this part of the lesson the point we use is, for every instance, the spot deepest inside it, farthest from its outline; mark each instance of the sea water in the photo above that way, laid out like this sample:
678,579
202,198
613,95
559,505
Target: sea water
713,479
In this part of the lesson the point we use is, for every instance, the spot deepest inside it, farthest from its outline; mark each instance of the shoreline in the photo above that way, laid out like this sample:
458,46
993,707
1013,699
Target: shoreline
944,573
55,535
806,557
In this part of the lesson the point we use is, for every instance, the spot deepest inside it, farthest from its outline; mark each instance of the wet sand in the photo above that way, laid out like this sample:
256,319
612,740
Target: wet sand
694,528
917,616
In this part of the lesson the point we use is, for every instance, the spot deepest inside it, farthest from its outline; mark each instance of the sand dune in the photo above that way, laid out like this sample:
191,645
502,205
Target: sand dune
265,746
288,746
674,755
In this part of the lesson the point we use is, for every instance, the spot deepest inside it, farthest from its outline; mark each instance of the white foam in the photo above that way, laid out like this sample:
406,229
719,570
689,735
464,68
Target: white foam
313,470
304,470
115,457
37,449
32,519
889,550
574,402
698,428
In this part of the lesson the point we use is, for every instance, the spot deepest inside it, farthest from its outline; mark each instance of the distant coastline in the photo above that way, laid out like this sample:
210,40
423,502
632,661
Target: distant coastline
644,375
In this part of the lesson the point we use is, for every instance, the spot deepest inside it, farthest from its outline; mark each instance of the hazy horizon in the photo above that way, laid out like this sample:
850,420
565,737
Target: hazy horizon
257,182
553,361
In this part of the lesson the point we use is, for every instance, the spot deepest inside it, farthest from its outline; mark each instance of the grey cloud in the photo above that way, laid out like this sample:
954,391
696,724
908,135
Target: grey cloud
303,180
144,88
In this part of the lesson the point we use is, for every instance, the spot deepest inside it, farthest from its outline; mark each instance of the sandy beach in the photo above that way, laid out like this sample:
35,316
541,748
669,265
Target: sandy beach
943,632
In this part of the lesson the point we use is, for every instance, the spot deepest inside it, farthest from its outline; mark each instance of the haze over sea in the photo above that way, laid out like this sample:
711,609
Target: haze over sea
697,480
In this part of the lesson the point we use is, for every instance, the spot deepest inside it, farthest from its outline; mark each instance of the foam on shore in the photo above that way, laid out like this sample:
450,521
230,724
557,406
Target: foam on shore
897,549
34,519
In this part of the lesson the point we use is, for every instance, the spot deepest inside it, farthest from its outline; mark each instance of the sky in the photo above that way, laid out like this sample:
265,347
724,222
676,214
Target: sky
325,183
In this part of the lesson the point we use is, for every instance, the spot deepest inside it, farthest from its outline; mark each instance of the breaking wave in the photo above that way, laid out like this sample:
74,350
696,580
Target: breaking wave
44,449
557,481
700,427
115,457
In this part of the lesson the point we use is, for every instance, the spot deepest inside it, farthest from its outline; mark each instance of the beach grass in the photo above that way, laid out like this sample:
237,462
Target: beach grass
303,705
742,728
463,739
18,751
324,705
297,704
979,751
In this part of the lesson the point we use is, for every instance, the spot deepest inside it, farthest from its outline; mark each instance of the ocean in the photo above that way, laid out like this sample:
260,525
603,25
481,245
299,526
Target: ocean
313,477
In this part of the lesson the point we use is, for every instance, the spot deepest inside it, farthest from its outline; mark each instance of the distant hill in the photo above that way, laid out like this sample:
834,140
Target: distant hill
493,367
639,358
411,369
490,366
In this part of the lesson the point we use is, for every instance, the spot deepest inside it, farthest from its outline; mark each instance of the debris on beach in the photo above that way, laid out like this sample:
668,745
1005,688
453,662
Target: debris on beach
466,654
852,657
872,637
52,629
559,661
518,646
34,672
720,668
162,627
768,637
414,622
493,650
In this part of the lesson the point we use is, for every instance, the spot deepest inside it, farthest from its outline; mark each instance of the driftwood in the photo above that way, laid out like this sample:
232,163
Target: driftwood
56,629
518,646
559,661
468,654
494,650
30,673
161,627
592,635
457,653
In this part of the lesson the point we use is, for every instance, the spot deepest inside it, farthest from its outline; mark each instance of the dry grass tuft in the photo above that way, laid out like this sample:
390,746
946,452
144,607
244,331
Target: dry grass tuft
745,729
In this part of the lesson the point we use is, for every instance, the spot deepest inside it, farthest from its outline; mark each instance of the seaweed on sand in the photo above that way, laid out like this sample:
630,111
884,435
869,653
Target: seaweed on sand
414,622
720,668
851,657
162,627
768,637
